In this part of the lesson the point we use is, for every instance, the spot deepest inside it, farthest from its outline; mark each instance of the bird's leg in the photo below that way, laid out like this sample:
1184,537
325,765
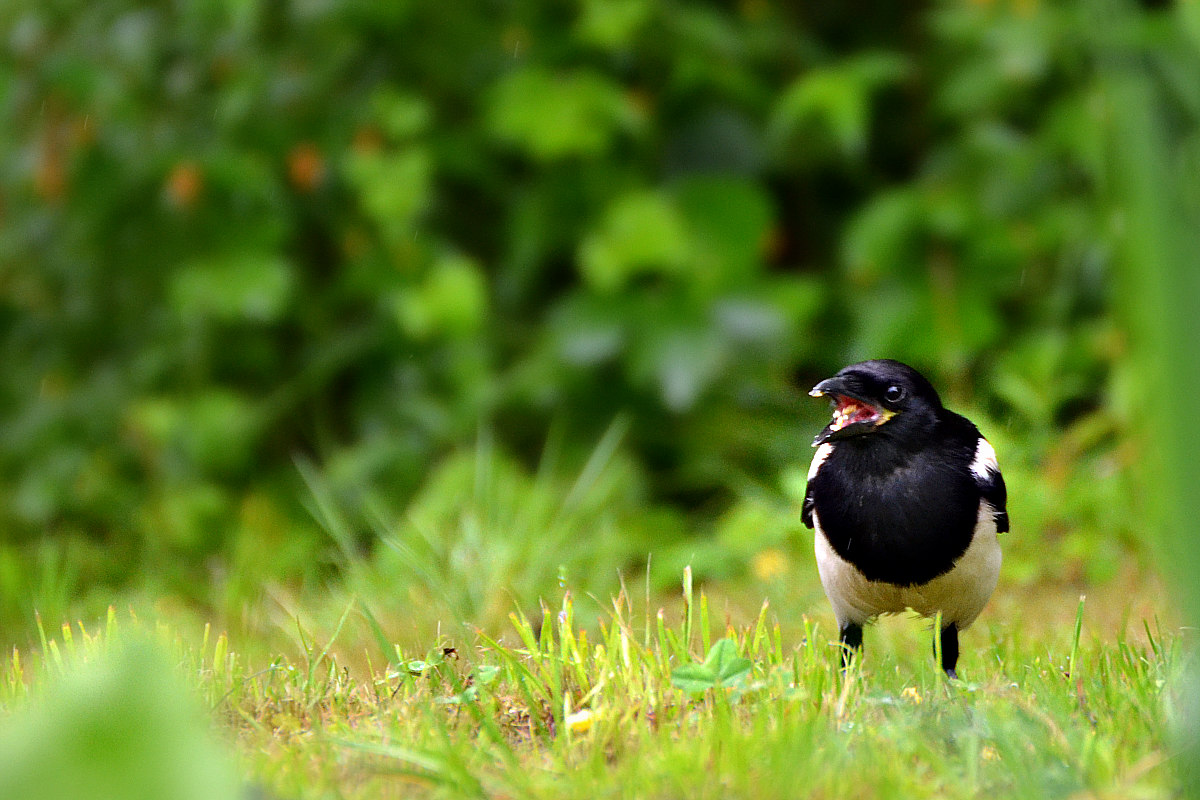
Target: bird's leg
949,637
851,638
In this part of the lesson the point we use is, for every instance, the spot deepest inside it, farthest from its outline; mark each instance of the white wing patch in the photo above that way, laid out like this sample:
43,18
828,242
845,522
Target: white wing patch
985,460
818,459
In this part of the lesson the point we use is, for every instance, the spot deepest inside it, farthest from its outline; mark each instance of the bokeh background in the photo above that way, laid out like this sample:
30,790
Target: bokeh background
450,307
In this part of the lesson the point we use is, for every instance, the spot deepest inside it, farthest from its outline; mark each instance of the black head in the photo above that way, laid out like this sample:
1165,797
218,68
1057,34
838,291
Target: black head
878,397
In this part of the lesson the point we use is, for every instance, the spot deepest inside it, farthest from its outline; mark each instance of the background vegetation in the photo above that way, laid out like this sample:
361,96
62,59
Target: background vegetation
283,284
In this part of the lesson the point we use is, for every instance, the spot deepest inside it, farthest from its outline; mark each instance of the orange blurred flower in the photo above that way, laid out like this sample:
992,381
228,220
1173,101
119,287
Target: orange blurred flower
306,167
184,184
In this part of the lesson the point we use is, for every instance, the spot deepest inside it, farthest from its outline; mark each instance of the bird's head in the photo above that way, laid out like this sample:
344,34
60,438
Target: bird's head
880,396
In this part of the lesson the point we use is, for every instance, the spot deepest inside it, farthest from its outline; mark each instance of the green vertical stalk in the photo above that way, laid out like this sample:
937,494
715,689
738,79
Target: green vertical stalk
1156,230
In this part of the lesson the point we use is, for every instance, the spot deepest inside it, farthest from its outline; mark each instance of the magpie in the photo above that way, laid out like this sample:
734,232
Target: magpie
906,499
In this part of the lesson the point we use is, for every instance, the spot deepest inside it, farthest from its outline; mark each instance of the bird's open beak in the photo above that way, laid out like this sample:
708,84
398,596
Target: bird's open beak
827,386
851,414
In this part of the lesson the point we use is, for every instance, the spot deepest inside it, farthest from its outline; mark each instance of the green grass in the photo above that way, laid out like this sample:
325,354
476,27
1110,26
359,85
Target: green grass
634,708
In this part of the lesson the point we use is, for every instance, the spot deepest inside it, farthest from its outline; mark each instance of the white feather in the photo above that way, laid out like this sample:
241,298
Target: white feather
818,459
985,460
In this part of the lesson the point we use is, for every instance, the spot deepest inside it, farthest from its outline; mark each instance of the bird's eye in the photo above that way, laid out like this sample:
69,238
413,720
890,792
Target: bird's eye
894,394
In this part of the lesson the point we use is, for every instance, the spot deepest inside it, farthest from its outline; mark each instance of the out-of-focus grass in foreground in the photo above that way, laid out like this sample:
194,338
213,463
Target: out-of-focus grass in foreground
1151,150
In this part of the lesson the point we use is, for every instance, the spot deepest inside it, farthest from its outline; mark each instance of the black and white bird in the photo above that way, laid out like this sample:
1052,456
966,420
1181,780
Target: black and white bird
906,500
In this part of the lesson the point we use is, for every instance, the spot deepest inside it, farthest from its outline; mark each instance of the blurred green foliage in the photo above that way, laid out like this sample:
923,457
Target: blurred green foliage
1152,141
234,235
110,719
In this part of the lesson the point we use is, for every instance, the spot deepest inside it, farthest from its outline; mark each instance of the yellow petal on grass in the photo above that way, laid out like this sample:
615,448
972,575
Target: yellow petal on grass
911,693
580,721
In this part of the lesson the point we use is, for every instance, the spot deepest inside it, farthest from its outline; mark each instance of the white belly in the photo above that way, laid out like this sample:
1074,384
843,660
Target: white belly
959,594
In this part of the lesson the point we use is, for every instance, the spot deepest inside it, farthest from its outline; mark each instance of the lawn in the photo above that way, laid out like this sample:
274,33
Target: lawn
684,699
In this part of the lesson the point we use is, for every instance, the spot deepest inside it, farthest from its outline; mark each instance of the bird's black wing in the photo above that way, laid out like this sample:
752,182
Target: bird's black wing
806,510
810,501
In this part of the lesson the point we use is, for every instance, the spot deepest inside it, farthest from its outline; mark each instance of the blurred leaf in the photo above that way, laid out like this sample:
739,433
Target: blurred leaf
1037,379
191,518
553,116
394,188
880,239
612,24
1006,54
747,320
681,361
893,318
730,219
1189,17
451,300
211,433
642,233
836,99
251,285
400,114
588,330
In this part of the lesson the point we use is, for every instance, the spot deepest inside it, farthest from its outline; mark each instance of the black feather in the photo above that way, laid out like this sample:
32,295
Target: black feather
992,489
